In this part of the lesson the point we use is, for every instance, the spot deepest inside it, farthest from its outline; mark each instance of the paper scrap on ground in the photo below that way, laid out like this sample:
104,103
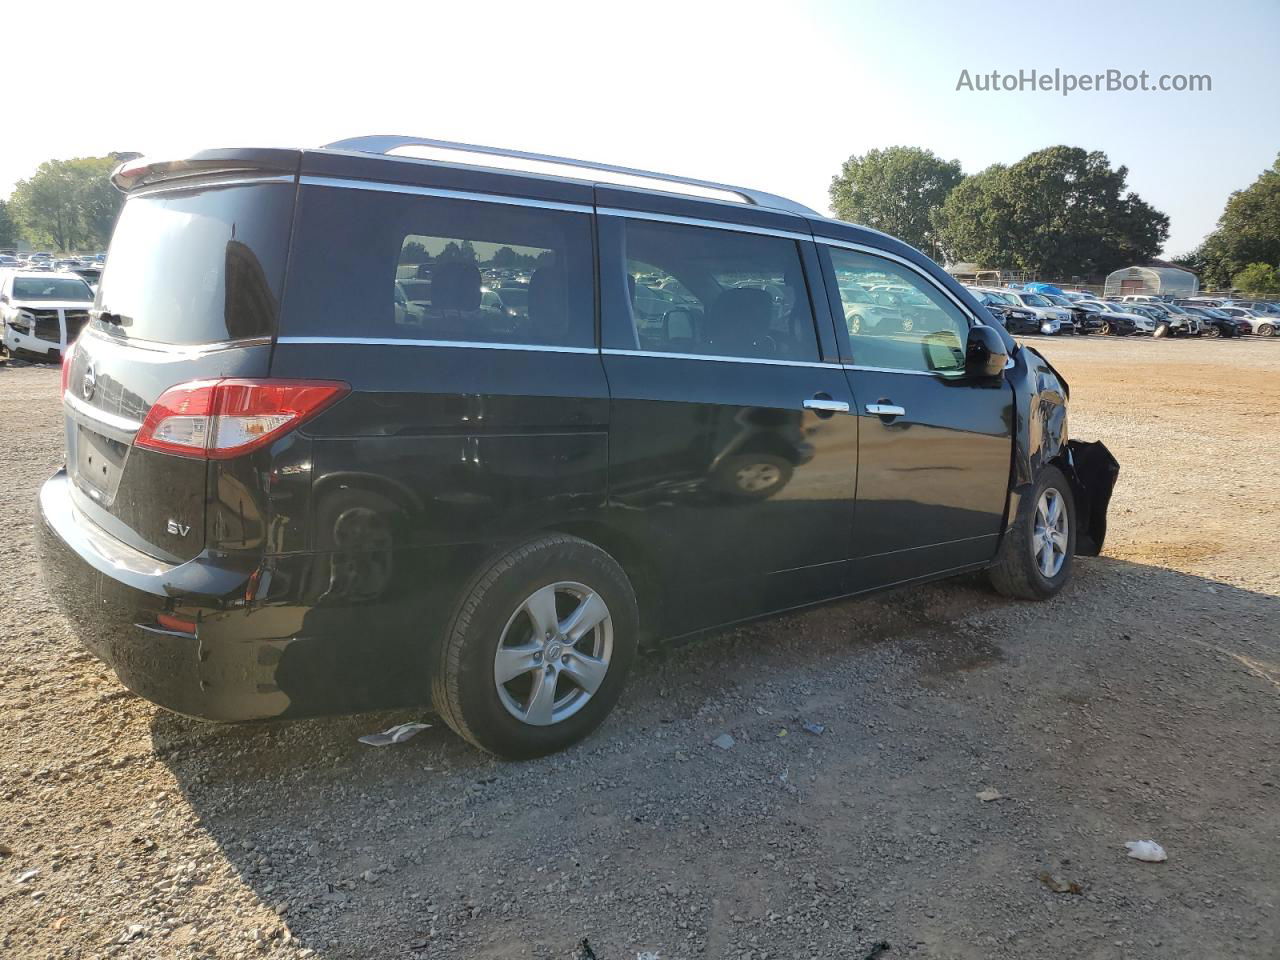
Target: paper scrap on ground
1147,850
396,734
986,796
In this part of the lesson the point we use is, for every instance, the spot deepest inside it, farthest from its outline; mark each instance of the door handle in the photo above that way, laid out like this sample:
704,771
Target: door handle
826,405
886,410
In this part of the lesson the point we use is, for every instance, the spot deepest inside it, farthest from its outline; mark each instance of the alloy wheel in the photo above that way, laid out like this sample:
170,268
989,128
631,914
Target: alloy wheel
1049,538
554,653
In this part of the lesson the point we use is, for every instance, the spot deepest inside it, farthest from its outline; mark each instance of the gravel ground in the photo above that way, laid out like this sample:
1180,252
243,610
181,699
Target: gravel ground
1144,702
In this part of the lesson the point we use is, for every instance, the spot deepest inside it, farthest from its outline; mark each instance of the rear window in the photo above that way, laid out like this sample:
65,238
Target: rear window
51,288
387,265
199,266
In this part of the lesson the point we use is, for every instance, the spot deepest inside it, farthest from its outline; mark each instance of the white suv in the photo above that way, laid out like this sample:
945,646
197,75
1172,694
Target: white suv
40,313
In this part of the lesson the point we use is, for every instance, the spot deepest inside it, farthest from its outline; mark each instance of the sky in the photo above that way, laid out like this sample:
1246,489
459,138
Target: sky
768,95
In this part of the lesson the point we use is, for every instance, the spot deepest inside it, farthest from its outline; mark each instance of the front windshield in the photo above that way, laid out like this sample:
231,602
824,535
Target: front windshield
51,288
1035,300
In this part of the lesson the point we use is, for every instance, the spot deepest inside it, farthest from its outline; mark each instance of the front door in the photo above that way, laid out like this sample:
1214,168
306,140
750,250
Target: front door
732,447
934,447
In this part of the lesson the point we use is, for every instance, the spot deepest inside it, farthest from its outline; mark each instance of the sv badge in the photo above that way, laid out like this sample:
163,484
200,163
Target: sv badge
178,529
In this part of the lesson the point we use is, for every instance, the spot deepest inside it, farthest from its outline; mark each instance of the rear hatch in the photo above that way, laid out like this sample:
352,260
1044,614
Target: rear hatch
191,291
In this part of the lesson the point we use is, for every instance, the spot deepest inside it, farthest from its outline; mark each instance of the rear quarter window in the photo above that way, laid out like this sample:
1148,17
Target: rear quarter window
199,266
390,265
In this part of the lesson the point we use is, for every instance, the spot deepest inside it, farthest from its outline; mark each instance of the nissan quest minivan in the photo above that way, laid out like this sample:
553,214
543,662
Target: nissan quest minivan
396,421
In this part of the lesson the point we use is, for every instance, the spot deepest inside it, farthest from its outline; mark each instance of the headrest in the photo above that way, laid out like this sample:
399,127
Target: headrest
739,317
455,286
548,303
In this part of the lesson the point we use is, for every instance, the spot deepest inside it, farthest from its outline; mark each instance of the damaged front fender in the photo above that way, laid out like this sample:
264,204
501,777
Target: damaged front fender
1041,438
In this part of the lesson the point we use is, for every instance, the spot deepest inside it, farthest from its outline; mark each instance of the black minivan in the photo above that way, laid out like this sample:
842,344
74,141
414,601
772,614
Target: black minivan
397,420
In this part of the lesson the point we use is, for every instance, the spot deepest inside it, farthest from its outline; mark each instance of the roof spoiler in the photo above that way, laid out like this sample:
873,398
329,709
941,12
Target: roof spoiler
143,171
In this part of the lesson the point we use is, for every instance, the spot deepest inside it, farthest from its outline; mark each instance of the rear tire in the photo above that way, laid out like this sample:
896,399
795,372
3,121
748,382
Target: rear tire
525,604
1020,569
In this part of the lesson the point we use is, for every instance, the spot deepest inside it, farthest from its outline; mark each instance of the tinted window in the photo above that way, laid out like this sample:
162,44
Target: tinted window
52,288
201,266
375,264
911,325
713,292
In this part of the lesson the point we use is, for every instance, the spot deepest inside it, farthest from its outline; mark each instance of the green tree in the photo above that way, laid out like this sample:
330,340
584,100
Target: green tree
1248,232
974,222
897,190
69,204
1258,280
1058,212
99,201
8,229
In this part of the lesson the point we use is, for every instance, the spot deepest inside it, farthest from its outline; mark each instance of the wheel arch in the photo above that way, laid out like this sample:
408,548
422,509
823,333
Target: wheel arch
637,563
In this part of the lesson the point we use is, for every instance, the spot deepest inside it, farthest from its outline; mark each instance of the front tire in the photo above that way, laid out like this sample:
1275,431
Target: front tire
1266,330
1035,559
537,653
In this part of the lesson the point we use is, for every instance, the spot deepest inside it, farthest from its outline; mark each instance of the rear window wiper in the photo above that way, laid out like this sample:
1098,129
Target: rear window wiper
106,316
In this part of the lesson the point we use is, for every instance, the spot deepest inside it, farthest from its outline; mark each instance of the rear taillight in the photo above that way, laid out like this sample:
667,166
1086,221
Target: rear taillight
221,419
67,354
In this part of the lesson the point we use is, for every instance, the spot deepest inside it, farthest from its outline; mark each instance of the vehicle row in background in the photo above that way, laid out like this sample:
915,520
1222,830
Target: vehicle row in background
1040,308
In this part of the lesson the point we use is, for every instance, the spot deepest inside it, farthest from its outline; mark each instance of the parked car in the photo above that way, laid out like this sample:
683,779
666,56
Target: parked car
1176,321
279,502
1242,325
1117,321
1016,320
41,313
1214,323
1261,324
1260,307
1049,326
1045,310
1085,319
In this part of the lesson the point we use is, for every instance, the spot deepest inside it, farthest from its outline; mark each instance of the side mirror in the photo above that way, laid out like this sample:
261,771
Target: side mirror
4,298
985,354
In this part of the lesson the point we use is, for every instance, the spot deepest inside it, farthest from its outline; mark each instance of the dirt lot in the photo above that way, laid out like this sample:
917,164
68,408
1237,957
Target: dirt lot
1144,702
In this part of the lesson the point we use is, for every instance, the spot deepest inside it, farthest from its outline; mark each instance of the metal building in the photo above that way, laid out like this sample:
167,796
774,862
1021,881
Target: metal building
1153,280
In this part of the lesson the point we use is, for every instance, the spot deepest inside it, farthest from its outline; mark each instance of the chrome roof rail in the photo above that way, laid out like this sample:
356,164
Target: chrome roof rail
385,144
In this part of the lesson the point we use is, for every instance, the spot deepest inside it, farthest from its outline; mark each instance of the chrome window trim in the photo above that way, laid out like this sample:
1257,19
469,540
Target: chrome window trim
617,352
101,416
730,225
910,373
378,186
180,349
464,344
204,183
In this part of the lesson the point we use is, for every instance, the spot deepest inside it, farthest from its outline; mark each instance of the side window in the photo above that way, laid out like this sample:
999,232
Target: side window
700,290
373,264
896,319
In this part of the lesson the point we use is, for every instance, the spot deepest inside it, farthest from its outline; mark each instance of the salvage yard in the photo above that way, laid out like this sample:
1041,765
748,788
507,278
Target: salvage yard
1141,703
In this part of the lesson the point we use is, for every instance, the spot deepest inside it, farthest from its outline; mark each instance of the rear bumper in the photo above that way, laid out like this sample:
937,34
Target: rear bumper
245,662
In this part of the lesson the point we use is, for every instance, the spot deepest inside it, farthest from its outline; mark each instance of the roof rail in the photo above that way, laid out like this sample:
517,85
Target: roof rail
623,176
